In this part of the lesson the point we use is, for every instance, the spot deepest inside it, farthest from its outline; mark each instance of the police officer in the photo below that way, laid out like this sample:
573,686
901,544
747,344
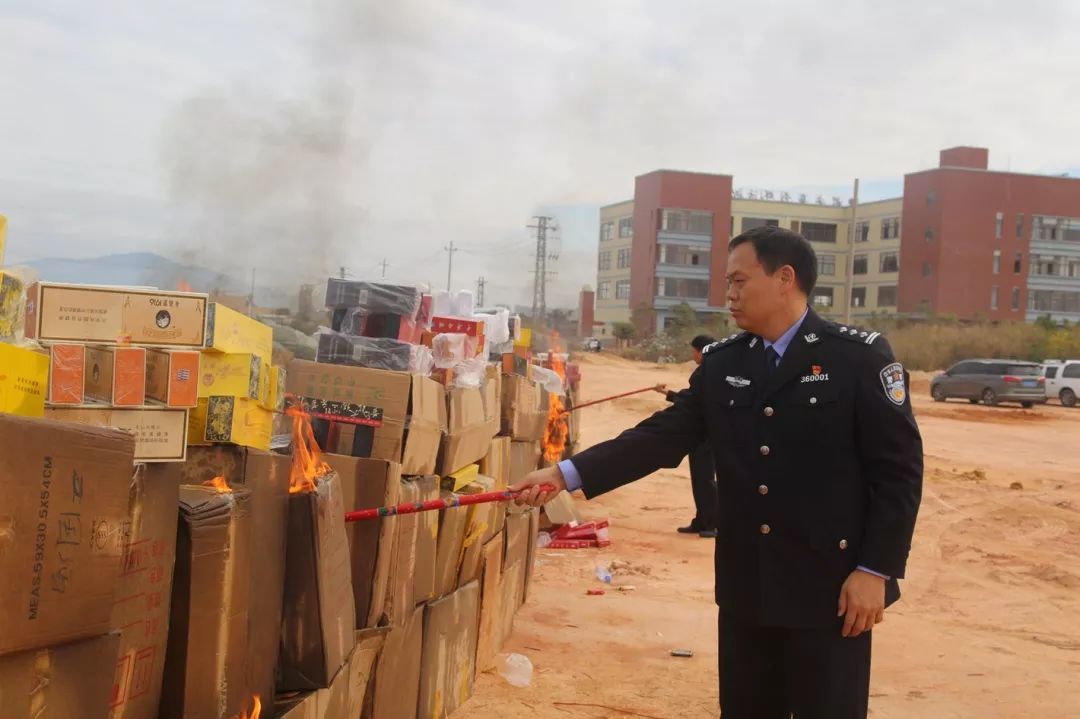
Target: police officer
819,465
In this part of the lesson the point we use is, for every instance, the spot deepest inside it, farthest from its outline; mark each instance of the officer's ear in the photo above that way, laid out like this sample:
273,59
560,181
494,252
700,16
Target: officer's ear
786,275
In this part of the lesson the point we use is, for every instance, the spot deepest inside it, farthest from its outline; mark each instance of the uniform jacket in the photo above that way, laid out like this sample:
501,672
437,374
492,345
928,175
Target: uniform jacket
819,467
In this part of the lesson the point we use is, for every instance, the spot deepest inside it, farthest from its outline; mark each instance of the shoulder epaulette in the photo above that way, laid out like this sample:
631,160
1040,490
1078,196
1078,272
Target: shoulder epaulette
854,334
728,341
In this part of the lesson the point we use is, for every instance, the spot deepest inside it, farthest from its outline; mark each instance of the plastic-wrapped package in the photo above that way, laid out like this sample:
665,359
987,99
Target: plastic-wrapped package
449,349
371,352
495,351
550,379
426,311
515,328
464,304
496,328
421,360
372,297
13,284
361,323
470,373
442,303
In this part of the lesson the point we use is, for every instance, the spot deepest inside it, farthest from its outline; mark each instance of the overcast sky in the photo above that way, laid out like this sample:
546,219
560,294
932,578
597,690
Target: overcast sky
299,136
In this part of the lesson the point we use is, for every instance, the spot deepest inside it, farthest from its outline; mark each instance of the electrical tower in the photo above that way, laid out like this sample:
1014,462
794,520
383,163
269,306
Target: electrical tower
384,265
480,291
540,273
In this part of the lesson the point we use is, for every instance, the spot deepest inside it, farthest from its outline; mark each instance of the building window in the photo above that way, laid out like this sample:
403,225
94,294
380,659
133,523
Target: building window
626,227
929,235
1054,266
1020,226
819,231
606,230
1016,298
999,225
1018,263
1054,301
603,290
623,260
622,290
686,255
929,198
997,262
859,265
858,297
749,223
926,269
826,265
886,296
795,226
1055,229
994,297
890,262
890,228
683,288
605,261
822,297
862,231
688,221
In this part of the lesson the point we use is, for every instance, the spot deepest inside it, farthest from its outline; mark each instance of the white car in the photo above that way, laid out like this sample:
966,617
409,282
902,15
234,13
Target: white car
1062,380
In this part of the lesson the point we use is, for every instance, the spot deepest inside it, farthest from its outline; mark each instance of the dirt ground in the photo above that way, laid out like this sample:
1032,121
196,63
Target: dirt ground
989,624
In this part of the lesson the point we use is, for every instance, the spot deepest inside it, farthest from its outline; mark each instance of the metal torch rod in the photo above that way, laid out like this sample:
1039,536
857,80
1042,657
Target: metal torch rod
606,399
456,500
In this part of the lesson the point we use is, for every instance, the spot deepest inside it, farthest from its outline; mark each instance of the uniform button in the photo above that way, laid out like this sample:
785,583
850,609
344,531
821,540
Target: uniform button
768,411
731,403
813,400
843,544
763,489
765,529
764,451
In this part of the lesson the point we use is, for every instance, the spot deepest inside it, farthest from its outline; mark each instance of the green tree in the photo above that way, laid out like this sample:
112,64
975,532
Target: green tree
683,318
624,331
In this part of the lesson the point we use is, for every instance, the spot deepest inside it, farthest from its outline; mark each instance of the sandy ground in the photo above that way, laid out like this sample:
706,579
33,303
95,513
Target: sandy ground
989,624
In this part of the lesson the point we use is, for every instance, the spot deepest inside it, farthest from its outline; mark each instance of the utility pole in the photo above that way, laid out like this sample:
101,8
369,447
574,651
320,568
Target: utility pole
450,249
341,272
539,305
384,264
480,292
251,297
851,255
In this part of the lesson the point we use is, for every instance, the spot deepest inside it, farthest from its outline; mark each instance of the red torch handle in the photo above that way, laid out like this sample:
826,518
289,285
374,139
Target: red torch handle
457,500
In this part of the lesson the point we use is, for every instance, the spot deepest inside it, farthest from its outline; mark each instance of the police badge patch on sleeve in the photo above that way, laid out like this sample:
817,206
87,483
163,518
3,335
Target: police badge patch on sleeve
892,379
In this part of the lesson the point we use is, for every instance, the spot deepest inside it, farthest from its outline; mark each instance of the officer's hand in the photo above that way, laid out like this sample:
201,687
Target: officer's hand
661,388
862,603
531,494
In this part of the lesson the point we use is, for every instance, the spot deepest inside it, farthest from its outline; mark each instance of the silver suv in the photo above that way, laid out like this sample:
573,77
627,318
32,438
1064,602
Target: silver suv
991,382
1062,380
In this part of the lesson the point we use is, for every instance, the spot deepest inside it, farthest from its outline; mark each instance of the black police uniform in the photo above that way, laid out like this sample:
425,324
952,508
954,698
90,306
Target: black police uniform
819,466
702,482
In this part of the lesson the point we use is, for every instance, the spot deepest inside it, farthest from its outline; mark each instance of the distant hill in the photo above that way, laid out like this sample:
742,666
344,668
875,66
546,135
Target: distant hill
153,270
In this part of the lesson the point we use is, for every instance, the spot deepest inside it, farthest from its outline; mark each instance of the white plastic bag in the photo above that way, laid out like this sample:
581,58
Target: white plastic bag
516,669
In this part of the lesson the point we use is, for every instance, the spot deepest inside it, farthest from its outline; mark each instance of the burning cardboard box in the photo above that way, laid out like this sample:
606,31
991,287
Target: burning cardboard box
205,665
65,490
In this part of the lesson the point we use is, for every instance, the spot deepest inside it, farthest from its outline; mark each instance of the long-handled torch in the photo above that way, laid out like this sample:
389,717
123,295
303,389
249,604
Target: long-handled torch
607,399
456,500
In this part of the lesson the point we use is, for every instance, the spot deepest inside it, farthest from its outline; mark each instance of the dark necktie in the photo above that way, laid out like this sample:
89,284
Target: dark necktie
771,360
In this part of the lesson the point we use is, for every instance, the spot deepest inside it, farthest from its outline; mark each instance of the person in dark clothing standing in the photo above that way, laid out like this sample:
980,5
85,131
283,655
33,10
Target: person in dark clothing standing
820,468
702,468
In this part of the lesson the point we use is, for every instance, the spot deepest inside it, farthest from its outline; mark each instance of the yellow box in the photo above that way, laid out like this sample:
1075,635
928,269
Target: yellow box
230,331
276,392
525,340
235,420
12,314
24,379
233,375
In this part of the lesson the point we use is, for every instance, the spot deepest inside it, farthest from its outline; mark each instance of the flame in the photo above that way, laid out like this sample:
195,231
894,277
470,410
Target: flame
557,430
307,464
256,709
184,286
219,484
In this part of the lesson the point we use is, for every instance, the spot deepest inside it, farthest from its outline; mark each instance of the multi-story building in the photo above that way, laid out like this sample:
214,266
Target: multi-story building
957,242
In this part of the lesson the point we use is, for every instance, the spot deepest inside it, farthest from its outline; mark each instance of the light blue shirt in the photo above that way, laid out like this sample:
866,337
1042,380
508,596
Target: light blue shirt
782,342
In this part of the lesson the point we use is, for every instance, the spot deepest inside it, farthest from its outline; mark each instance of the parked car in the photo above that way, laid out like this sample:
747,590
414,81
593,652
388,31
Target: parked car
1062,380
991,382
592,344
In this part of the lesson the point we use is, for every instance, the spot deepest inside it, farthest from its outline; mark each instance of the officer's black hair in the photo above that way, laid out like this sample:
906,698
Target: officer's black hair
701,342
776,247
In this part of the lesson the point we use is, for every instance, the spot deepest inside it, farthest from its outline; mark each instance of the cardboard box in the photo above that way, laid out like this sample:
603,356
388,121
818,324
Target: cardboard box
369,483
489,638
344,698
160,432
369,644
481,520
116,375
115,315
457,325
172,377
12,304
511,585
235,420
448,660
524,417
403,563
397,671
61,682
517,539
67,374
63,497
411,401
469,430
530,549
278,380
205,660
230,331
233,375
140,612
427,540
318,620
24,376
524,458
496,464
452,524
